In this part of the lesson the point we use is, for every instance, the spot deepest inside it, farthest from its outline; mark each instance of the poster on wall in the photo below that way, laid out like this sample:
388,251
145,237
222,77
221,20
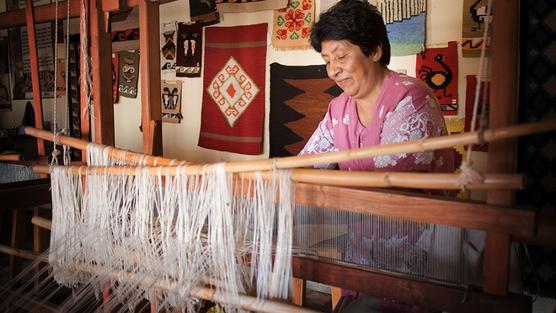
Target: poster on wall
20,63
474,20
438,67
5,94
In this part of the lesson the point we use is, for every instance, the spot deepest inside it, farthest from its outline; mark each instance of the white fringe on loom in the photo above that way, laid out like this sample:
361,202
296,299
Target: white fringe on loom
190,230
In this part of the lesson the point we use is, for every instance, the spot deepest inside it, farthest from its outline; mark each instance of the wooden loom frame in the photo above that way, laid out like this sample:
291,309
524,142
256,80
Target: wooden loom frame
518,223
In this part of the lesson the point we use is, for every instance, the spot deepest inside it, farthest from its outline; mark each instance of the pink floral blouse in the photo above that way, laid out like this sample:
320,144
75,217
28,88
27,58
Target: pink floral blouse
406,110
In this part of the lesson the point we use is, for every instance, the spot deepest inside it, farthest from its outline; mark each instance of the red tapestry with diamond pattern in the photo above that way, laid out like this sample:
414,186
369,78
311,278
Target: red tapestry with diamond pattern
232,117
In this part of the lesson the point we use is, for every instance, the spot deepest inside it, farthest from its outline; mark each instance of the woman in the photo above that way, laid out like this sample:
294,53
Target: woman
377,106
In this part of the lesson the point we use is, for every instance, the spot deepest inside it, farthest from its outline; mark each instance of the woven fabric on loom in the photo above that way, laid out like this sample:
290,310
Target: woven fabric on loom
292,25
232,117
474,13
299,97
235,6
438,67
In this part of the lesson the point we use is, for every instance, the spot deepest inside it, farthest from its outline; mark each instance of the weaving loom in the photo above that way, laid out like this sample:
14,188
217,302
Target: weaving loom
115,229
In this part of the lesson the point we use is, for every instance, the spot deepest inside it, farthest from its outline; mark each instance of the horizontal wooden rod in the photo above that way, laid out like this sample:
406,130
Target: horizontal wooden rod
419,208
43,13
113,152
442,181
21,253
42,222
420,145
408,290
206,293
11,157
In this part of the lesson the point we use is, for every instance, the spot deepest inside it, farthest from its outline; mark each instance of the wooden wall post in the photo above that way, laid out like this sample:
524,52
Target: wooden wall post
101,60
35,79
84,27
149,45
501,154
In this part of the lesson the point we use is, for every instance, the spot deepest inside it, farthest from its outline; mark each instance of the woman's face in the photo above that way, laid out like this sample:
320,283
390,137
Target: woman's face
346,64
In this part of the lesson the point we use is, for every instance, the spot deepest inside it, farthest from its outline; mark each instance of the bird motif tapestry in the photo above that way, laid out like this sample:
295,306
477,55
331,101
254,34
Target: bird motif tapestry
189,52
233,113
237,6
168,39
474,20
128,73
299,97
438,67
292,25
171,101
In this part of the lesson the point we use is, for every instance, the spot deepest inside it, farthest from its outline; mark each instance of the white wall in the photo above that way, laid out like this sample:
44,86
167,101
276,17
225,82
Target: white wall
444,23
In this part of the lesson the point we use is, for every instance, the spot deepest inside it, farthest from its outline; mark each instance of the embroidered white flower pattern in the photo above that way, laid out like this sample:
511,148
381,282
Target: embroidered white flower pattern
345,120
405,123
334,122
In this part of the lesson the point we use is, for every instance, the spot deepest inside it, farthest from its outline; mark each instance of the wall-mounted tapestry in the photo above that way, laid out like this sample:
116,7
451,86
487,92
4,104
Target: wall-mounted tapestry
204,12
128,73
237,6
474,21
171,101
168,39
292,25
232,117
438,67
189,52
299,97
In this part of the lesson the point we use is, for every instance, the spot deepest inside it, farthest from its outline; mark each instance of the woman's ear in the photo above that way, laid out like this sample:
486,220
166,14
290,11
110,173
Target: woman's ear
377,54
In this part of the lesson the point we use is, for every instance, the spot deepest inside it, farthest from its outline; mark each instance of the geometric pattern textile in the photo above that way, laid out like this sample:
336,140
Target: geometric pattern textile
171,101
536,155
236,6
189,50
128,73
405,23
299,97
168,38
292,25
474,17
232,117
438,67
204,12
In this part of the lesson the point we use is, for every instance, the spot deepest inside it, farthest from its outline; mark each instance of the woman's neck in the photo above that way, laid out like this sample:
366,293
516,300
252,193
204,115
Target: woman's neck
366,104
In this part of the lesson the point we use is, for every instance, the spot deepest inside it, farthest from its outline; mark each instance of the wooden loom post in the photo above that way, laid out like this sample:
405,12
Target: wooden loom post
101,56
84,27
35,79
501,154
150,76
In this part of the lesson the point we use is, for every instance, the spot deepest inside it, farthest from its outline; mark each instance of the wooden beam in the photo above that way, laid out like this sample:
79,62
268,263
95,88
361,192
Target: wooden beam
407,290
84,27
25,194
35,79
101,59
501,154
150,77
43,13
420,208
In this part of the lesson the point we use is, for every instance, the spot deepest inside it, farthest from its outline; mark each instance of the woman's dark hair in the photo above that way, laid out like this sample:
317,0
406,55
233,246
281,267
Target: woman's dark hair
357,21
